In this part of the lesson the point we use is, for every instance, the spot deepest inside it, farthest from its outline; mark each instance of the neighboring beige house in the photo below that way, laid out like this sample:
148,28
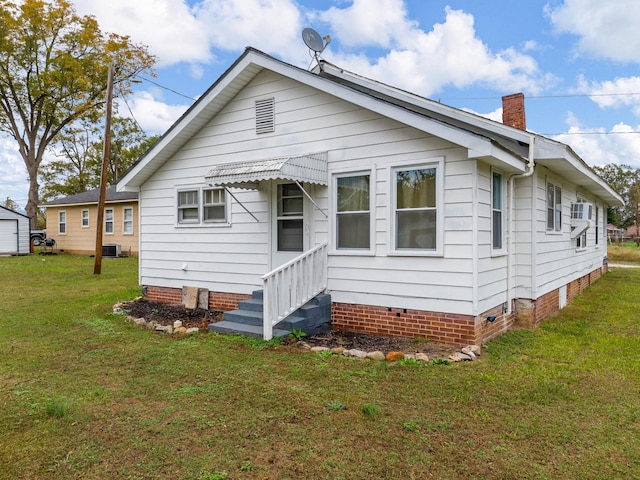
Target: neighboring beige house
71,222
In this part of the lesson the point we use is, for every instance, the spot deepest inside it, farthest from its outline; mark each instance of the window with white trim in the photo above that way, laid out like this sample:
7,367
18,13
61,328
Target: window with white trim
597,223
62,222
85,218
497,220
188,206
554,207
415,208
214,205
581,240
108,220
353,211
127,220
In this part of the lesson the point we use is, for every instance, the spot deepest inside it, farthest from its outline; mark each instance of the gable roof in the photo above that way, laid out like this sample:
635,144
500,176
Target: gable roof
13,212
493,142
92,196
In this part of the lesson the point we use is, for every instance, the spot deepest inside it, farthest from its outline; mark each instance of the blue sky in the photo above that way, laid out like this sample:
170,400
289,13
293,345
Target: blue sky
576,61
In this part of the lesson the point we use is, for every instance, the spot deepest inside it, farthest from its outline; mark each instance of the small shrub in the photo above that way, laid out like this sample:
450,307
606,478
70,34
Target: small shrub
325,354
297,334
335,405
403,362
56,408
411,426
370,409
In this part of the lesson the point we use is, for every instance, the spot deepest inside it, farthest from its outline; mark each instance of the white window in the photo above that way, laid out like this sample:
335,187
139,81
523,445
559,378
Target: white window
353,211
214,205
415,195
62,222
108,220
85,218
554,207
290,218
581,240
597,223
127,220
188,207
497,221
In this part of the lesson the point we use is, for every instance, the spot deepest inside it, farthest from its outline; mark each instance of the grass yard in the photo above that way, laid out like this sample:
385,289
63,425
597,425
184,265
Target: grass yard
627,252
84,394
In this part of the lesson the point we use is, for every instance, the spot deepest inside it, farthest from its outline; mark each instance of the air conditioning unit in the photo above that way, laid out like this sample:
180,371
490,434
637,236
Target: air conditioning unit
111,250
581,212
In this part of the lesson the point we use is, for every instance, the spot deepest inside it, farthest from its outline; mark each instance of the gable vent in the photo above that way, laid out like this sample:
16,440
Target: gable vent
265,115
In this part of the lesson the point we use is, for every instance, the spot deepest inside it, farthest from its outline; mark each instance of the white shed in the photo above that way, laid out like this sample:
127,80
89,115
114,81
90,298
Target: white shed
14,233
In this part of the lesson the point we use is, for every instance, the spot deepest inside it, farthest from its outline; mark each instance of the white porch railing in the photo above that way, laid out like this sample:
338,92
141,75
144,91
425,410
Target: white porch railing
293,284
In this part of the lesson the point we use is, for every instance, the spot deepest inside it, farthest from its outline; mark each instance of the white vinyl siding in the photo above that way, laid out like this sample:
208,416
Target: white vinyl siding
358,141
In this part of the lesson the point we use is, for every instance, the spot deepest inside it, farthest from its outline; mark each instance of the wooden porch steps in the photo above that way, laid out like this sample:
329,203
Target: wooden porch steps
312,318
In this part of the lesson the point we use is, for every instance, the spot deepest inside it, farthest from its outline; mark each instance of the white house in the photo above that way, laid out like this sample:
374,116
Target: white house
14,233
419,219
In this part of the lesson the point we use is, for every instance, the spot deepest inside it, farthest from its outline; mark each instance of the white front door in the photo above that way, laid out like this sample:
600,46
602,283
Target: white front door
290,225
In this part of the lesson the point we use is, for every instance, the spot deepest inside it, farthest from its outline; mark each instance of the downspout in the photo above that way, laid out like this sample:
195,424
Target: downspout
511,192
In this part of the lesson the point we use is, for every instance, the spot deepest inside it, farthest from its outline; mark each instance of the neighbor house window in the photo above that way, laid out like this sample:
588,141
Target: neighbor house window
108,220
497,211
127,220
62,222
188,206
353,211
554,207
214,205
85,218
415,208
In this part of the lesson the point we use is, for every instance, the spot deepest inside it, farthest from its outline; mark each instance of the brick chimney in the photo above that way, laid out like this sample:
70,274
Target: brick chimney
513,111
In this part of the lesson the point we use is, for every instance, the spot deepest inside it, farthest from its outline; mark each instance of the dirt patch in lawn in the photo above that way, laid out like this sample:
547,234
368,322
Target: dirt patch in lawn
165,314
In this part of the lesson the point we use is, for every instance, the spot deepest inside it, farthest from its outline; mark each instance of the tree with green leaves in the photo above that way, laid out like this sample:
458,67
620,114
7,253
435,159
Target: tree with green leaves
78,164
53,74
623,179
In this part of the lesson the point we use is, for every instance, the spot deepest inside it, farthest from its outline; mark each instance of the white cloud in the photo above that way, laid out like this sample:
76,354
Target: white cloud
449,54
153,115
169,28
607,29
621,92
270,25
369,22
599,146
13,173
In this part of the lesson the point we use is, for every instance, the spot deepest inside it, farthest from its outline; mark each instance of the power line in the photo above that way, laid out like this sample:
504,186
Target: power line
535,97
165,88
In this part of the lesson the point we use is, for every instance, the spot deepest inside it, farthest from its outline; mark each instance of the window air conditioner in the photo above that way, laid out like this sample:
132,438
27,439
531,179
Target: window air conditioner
111,250
581,212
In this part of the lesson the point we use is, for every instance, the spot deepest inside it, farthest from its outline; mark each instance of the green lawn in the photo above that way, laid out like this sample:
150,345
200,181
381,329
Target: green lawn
85,394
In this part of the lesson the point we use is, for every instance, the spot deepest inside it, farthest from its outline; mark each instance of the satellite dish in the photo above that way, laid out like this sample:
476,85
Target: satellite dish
313,40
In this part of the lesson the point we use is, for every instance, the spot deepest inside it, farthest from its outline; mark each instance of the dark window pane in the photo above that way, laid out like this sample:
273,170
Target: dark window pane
353,230
416,229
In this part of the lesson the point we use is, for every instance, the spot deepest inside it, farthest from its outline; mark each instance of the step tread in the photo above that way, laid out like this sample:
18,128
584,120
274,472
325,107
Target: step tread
228,327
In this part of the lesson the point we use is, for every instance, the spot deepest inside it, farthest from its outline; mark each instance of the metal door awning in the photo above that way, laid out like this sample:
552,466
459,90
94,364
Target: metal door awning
308,168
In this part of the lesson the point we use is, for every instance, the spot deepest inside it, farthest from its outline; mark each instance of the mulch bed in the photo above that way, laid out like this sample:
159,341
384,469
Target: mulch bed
165,314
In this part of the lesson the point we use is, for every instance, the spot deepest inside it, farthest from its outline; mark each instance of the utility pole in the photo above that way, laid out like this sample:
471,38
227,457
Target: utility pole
97,267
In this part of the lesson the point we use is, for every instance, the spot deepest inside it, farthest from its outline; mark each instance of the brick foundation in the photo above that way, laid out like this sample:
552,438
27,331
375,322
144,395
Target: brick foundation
447,328
219,301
